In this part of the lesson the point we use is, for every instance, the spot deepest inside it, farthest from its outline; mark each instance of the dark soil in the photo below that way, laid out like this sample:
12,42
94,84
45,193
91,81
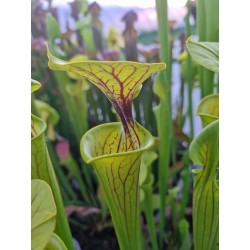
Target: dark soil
96,240
97,236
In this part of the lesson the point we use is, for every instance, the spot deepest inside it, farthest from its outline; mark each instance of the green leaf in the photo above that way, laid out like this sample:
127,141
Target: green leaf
146,180
77,88
38,127
55,243
84,6
159,87
205,54
186,180
118,170
53,28
35,85
43,212
173,191
81,24
115,40
147,159
49,115
162,88
204,151
143,173
208,109
185,69
53,33
41,168
142,195
85,28
183,227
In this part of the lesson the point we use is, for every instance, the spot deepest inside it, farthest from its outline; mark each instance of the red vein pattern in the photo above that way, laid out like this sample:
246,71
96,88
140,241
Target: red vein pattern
203,151
119,81
39,158
118,175
107,146
41,168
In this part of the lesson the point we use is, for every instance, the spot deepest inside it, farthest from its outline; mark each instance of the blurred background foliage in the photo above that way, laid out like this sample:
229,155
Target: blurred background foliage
79,30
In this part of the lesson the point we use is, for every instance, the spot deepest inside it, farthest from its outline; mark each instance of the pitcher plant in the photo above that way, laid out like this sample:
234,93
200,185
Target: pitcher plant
115,149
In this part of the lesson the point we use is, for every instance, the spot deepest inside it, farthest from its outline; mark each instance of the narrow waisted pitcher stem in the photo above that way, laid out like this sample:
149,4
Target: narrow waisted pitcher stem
115,149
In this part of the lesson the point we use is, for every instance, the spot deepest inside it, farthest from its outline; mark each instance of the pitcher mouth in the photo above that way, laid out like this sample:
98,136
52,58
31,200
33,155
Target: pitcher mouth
85,143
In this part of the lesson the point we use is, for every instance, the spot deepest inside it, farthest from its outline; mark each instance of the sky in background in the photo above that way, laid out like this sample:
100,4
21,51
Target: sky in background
146,14
130,3
127,3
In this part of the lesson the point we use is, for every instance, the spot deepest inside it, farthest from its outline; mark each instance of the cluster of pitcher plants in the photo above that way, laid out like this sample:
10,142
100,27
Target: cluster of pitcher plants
109,149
